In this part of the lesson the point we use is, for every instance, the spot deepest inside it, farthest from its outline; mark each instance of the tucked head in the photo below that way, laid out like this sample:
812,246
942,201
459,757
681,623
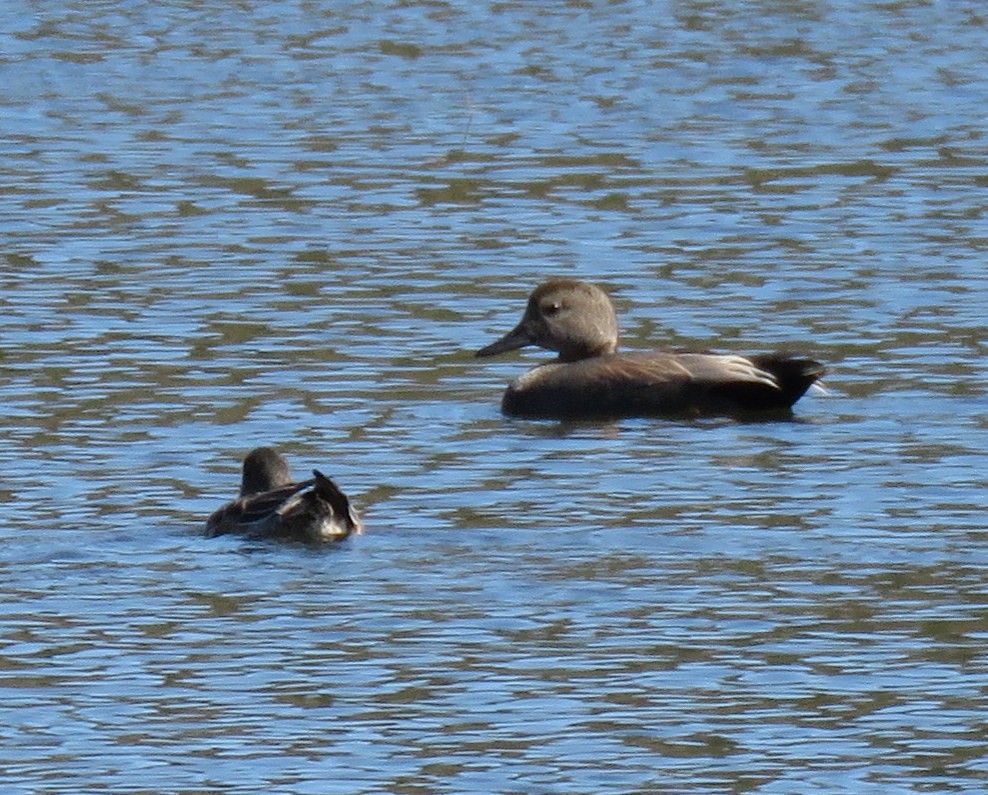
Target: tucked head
264,469
565,315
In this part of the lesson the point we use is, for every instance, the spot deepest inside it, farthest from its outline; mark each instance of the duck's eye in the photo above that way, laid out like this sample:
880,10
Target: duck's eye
550,308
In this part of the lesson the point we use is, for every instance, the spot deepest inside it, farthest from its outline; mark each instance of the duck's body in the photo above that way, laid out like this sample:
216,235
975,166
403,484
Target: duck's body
591,379
660,384
272,505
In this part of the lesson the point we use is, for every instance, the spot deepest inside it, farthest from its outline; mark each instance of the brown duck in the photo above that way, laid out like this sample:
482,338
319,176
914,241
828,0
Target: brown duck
591,379
272,505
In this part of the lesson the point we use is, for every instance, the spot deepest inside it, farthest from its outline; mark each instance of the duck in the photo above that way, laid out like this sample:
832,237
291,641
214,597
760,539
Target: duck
590,378
272,505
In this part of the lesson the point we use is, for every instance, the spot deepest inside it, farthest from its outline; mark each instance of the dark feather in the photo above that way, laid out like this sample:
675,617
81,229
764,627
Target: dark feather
311,511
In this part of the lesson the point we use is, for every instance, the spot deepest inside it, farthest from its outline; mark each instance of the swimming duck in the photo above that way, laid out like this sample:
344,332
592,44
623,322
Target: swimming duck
272,505
591,379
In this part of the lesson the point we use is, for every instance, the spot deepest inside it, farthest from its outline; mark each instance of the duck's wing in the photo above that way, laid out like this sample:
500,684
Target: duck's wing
661,369
247,513
260,506
718,369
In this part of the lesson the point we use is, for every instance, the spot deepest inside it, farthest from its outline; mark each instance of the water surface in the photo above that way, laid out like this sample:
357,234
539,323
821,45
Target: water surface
292,223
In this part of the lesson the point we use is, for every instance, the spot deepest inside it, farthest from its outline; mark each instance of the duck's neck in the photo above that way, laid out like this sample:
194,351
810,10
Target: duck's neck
578,352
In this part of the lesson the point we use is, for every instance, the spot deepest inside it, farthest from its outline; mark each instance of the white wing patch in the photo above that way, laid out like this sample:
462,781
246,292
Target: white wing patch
738,367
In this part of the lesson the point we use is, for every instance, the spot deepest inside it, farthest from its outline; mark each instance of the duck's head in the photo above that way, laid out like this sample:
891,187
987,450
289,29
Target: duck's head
264,469
565,315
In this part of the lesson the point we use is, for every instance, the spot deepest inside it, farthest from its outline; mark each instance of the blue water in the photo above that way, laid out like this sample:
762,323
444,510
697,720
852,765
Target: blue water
293,224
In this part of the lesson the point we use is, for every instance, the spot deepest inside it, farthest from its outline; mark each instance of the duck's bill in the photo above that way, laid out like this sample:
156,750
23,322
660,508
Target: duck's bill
518,338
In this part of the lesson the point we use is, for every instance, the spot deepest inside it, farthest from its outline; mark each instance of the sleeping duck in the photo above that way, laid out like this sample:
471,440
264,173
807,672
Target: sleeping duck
272,505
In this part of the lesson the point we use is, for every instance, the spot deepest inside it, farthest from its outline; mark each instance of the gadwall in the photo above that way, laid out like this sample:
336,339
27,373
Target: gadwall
591,379
272,505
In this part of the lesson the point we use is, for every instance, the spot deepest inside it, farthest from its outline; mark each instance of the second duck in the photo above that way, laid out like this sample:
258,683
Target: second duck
274,506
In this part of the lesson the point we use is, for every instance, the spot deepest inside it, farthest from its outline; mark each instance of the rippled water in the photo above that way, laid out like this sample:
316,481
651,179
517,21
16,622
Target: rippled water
292,223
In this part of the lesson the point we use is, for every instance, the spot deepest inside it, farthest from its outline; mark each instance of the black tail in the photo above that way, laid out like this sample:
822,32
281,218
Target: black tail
794,375
337,500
